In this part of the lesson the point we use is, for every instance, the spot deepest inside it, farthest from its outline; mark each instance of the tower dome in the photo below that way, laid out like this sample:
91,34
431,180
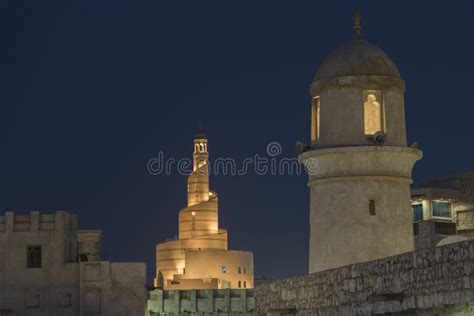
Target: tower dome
357,58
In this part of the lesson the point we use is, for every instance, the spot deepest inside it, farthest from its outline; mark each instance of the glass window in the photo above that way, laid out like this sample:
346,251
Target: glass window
373,112
315,118
223,269
417,212
240,284
239,270
33,259
442,209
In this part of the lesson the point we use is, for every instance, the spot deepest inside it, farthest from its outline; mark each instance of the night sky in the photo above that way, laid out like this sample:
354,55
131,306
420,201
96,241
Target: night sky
91,91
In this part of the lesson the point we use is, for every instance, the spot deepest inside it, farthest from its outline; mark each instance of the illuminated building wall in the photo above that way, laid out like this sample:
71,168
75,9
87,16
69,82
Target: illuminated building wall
442,207
200,259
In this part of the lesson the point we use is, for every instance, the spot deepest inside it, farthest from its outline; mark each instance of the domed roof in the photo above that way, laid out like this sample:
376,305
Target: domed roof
358,57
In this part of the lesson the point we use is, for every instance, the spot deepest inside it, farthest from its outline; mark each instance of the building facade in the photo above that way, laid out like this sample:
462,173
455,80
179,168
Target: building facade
48,267
199,258
443,207
358,162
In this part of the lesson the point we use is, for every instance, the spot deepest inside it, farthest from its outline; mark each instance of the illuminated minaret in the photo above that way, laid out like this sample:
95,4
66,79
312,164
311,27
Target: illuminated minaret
198,181
359,163
199,259
200,218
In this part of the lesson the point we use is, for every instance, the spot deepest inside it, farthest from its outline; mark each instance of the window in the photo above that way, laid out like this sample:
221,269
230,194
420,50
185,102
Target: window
442,209
33,257
245,284
373,112
239,270
417,212
223,269
315,118
372,207
64,300
240,284
245,270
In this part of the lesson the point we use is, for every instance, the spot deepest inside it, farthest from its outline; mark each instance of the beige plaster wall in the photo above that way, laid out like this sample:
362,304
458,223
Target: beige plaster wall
342,230
209,263
342,110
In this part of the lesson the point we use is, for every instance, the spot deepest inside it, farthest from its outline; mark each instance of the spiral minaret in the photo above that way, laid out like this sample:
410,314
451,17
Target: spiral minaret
200,257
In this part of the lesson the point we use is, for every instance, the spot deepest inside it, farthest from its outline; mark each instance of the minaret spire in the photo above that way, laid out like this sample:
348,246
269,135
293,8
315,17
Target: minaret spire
200,132
356,28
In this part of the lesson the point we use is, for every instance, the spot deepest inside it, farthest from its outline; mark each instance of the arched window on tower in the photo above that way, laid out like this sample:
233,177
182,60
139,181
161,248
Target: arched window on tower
374,116
315,118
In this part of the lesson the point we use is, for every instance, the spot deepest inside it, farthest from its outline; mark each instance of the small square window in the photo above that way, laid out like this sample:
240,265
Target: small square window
223,269
33,257
64,300
442,209
32,299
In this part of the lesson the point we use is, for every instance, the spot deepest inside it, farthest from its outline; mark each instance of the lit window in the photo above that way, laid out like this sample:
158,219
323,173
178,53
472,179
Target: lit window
223,269
442,209
373,112
315,118
240,284
239,270
33,259
417,212
193,213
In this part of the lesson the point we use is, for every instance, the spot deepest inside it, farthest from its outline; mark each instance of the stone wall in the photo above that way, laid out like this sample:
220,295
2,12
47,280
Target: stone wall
465,223
223,302
430,232
437,281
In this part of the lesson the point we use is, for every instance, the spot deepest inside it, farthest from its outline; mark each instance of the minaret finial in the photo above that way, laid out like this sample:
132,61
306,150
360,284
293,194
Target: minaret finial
200,132
356,29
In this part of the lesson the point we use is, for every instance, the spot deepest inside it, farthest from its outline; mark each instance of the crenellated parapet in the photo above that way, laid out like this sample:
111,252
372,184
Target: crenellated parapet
36,221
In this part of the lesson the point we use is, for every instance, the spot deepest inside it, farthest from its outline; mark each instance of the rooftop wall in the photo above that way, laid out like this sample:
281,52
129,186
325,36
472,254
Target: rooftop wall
439,280
202,302
35,221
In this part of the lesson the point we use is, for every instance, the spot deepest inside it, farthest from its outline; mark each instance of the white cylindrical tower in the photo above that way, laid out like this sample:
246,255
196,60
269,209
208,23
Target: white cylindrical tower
359,164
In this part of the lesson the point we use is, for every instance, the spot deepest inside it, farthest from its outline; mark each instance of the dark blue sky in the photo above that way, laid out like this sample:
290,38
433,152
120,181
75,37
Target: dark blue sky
92,90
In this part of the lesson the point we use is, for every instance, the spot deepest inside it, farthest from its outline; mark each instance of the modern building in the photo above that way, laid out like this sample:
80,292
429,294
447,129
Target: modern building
200,258
359,163
443,207
48,267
